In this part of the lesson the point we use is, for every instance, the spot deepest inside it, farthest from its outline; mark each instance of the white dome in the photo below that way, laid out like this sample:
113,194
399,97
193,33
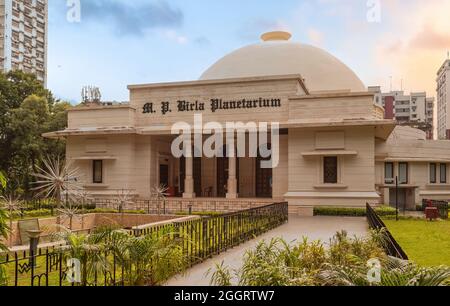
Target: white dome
277,56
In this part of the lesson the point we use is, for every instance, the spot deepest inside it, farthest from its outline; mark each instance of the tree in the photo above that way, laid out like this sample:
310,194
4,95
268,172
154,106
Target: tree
29,122
15,87
27,110
4,230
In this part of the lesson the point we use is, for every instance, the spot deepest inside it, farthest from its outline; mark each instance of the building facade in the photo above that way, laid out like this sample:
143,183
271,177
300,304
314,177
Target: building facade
331,142
414,110
23,36
443,100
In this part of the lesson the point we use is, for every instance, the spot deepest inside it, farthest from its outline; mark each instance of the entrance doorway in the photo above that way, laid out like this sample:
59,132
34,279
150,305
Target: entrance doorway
164,175
263,180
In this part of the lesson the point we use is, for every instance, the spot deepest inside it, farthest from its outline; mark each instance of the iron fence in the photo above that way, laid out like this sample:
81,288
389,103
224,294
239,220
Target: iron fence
390,245
200,239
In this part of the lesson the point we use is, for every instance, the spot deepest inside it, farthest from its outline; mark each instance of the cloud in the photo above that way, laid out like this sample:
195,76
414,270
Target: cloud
429,38
418,46
174,36
129,18
202,41
315,36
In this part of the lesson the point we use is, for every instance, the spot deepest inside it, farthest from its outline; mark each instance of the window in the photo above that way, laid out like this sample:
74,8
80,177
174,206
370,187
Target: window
433,173
98,172
389,173
403,173
443,173
330,170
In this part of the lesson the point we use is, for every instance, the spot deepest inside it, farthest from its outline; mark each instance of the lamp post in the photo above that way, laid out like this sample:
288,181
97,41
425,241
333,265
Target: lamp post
34,242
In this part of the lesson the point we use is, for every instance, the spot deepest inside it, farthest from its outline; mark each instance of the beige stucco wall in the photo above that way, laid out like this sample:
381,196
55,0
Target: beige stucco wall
356,173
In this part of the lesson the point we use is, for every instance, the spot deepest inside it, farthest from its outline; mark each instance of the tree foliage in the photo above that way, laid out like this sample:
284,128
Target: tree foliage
27,110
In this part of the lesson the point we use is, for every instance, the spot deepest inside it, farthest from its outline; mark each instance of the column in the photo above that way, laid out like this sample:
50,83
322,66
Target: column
189,181
232,178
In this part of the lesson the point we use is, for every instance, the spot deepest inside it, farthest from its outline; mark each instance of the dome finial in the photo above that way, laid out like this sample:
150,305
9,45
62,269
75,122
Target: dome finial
276,36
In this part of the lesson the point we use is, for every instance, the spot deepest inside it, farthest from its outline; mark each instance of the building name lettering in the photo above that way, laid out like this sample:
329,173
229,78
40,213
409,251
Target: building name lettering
215,105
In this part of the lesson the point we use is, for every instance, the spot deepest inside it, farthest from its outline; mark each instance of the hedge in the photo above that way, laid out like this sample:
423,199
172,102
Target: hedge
200,213
352,212
48,213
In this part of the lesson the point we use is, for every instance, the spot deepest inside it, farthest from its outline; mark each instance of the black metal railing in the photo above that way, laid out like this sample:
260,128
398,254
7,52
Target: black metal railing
200,239
390,245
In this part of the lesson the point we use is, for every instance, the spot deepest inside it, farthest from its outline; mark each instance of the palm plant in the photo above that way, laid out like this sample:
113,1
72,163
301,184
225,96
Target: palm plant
344,262
394,272
222,276
11,204
150,259
57,178
159,194
88,249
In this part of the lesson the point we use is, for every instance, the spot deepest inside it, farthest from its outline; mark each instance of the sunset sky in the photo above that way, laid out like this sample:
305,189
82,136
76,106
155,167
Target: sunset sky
121,42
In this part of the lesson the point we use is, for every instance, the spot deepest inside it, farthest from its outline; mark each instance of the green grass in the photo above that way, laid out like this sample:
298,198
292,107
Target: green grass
426,243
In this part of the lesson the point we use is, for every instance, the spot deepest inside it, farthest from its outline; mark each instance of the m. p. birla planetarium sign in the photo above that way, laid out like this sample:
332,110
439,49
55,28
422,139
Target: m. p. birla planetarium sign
214,105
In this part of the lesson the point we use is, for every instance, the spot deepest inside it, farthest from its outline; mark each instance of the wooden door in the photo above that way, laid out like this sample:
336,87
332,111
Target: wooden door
263,180
164,175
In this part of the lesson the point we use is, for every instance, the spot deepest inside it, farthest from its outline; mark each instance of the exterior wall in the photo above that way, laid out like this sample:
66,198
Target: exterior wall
281,173
204,93
407,145
91,117
443,100
356,173
24,25
117,173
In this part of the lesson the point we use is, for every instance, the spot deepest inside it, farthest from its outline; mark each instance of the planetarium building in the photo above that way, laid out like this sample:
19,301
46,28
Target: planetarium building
333,145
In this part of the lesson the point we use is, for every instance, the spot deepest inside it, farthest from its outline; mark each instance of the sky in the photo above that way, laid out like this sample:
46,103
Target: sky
114,43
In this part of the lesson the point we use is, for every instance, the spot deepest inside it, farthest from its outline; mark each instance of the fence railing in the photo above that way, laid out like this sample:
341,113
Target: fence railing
200,239
390,245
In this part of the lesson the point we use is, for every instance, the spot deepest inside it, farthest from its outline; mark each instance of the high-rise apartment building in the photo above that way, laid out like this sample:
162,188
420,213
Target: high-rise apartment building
443,100
23,36
414,110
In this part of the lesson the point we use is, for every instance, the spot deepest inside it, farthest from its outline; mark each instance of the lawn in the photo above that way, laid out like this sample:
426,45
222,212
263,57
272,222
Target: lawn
426,243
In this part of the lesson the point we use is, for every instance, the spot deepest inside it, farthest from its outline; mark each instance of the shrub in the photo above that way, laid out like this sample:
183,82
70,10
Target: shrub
352,212
200,213
343,263
47,213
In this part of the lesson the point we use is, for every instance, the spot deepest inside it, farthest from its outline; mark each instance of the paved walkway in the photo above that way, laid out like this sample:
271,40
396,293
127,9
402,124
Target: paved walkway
315,228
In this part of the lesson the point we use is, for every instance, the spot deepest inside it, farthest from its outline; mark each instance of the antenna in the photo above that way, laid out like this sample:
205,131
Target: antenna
91,94
401,85
391,82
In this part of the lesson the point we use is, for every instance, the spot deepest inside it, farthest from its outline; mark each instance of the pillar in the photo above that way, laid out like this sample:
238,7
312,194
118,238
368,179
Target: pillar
232,178
189,180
